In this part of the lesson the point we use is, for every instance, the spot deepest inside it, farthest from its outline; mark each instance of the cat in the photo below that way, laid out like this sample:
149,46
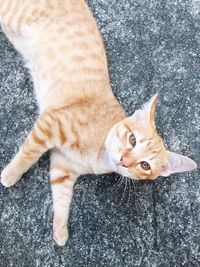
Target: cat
80,120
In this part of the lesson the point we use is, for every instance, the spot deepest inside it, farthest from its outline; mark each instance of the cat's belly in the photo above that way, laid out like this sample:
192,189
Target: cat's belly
63,48
84,164
64,65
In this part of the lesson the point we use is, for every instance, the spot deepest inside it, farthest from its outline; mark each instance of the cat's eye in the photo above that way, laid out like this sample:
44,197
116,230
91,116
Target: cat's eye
145,166
132,140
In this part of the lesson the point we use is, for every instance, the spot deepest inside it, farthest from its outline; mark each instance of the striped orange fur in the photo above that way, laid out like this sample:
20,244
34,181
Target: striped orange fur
80,119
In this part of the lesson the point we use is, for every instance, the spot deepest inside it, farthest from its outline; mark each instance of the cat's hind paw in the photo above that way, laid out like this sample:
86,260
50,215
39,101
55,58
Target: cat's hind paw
61,235
8,177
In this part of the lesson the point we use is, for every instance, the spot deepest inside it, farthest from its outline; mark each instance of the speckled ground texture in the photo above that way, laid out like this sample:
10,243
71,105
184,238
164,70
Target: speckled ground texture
151,46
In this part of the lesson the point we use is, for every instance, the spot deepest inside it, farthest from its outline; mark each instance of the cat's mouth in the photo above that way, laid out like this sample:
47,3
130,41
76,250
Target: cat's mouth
119,164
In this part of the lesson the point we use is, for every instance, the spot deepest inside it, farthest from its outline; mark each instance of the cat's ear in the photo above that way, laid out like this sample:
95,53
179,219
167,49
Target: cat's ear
177,163
147,113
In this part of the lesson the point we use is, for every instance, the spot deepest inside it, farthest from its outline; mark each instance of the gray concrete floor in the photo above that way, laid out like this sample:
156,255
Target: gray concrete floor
151,46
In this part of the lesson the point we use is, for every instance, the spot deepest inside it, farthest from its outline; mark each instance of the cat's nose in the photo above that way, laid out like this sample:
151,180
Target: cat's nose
124,162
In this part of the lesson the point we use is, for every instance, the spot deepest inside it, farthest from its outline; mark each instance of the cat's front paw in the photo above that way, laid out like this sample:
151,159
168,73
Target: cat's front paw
9,177
61,235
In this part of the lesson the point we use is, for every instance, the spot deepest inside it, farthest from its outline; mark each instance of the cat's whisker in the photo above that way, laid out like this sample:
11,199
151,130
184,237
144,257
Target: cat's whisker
119,183
134,186
122,181
124,192
115,185
129,188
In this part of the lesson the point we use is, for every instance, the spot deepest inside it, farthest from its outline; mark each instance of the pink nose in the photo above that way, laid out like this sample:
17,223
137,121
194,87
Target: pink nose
124,161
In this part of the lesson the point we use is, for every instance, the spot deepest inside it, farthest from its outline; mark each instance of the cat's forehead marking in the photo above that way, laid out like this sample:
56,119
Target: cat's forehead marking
155,153
148,141
127,127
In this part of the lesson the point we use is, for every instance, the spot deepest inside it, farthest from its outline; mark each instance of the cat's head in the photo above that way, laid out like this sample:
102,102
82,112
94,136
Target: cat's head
135,149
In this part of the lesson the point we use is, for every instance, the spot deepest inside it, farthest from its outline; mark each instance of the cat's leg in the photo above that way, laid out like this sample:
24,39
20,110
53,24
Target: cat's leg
39,140
62,179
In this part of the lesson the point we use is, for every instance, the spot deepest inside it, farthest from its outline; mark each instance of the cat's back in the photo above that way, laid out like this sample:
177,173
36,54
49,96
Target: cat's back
62,46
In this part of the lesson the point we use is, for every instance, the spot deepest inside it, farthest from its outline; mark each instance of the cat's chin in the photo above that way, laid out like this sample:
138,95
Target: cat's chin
123,171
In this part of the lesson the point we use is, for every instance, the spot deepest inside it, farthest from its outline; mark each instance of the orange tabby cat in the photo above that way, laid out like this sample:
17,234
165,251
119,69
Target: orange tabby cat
80,119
